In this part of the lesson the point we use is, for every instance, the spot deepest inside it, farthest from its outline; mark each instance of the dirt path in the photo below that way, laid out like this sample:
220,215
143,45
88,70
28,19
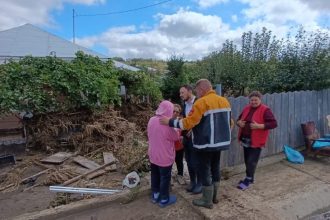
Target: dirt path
282,191
17,203
141,208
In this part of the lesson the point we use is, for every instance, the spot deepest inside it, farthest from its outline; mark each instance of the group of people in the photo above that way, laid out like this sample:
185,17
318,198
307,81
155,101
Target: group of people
201,130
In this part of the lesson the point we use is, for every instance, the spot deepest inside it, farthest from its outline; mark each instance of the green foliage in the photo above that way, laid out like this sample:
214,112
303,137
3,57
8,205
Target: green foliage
141,84
50,84
174,78
267,64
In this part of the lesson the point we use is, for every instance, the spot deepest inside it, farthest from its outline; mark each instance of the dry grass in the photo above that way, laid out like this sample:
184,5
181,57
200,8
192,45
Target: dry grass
90,135
58,176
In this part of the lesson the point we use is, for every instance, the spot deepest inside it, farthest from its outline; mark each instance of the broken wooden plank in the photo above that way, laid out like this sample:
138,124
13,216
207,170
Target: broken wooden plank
26,179
83,161
85,174
31,187
77,169
35,175
57,158
6,187
96,174
108,157
41,165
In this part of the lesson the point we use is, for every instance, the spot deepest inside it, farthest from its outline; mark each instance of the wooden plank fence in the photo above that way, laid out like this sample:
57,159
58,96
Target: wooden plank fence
291,110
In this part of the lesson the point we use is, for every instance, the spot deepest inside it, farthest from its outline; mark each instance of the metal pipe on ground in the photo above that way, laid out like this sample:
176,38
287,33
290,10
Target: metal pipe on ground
82,190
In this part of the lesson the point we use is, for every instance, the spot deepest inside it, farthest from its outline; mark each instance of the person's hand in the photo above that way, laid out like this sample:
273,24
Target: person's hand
241,123
164,120
255,125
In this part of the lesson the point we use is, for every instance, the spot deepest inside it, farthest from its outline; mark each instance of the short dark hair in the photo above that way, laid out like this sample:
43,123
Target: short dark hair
187,87
255,94
177,106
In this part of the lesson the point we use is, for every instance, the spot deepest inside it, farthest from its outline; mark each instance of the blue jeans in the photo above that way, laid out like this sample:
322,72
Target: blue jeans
209,166
192,159
160,180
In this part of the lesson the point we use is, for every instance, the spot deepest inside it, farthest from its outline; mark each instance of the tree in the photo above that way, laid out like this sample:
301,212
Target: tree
174,78
268,64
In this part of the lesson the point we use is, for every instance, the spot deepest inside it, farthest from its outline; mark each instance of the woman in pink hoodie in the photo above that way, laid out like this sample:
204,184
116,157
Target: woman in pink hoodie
161,153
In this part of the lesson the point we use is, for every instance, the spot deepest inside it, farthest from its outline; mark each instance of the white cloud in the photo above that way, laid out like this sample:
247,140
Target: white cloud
320,5
195,35
17,12
280,12
188,24
210,3
86,2
187,33
283,16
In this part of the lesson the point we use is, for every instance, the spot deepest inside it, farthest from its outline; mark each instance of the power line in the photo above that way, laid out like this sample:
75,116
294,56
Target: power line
125,11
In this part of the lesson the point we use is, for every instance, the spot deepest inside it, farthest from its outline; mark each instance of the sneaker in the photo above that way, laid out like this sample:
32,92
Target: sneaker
244,184
155,198
181,180
171,200
246,180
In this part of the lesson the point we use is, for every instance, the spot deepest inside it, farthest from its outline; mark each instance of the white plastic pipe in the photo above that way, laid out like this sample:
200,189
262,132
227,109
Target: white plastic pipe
82,190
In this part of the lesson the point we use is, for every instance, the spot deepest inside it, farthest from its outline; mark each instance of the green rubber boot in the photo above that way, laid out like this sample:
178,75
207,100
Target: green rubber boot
215,192
206,200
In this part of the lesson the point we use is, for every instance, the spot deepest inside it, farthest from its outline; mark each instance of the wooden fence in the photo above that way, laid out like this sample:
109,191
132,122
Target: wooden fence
290,109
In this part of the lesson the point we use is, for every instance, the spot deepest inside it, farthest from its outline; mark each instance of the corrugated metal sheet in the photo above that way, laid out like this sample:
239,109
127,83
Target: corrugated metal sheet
31,40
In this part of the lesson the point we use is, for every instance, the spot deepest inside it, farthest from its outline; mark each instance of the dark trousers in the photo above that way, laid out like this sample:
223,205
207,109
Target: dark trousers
209,167
160,180
251,158
179,161
192,159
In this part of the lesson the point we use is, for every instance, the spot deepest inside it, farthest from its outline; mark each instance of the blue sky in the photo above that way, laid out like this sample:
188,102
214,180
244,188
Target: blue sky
191,28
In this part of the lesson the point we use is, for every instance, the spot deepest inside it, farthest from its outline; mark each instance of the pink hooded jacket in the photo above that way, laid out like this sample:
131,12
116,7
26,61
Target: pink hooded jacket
161,138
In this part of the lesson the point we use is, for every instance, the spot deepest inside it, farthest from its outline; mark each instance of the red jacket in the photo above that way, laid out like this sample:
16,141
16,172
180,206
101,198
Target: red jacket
178,144
258,136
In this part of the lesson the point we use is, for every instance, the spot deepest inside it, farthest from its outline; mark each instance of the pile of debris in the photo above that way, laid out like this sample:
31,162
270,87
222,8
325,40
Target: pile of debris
81,147
91,134
138,114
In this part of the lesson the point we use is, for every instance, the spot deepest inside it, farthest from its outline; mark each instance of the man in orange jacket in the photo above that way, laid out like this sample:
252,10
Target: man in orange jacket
209,120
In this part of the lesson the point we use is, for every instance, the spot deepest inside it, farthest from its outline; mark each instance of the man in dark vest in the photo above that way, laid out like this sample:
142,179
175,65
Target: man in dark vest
188,99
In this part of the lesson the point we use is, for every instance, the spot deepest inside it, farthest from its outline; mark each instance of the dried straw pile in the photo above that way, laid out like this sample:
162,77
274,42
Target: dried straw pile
91,134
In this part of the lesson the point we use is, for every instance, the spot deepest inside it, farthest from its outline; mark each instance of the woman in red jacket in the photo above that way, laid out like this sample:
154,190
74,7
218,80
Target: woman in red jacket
254,124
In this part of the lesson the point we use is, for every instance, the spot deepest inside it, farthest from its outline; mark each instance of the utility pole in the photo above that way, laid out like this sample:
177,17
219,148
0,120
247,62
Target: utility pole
73,27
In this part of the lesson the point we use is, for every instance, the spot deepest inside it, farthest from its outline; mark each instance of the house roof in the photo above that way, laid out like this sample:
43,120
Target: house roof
30,40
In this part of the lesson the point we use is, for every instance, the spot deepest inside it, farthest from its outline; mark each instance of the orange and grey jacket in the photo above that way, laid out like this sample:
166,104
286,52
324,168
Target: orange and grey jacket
210,122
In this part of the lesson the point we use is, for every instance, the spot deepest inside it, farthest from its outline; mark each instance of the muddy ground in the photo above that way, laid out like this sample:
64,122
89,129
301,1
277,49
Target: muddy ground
281,191
141,208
